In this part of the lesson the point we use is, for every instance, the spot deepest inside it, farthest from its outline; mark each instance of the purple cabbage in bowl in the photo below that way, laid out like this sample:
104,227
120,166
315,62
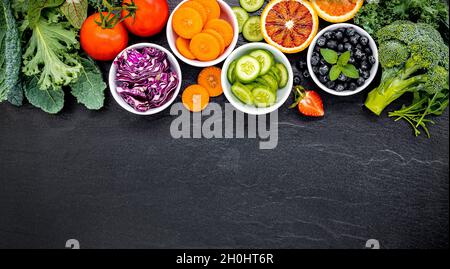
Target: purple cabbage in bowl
145,79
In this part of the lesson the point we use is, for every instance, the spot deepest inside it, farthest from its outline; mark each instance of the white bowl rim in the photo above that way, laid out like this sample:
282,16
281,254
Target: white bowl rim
373,71
196,63
112,80
252,110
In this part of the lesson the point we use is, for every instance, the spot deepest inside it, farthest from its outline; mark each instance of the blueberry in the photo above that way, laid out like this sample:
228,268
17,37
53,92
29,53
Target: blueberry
364,65
340,48
323,70
359,47
365,74
315,60
345,40
297,80
315,70
352,86
359,54
316,54
332,44
364,41
328,35
360,81
306,74
302,65
352,60
324,79
330,84
321,41
342,78
368,51
372,60
339,35
354,40
339,88
348,47
350,32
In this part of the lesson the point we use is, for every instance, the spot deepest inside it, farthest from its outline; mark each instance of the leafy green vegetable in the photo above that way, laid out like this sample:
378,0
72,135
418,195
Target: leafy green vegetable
415,59
75,11
374,15
49,100
89,88
340,64
10,55
35,8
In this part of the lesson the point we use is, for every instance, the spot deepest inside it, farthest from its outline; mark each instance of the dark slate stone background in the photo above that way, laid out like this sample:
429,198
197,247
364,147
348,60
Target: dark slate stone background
114,180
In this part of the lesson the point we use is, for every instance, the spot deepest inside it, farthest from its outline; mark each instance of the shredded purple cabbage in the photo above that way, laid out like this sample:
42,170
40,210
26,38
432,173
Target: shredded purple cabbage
145,79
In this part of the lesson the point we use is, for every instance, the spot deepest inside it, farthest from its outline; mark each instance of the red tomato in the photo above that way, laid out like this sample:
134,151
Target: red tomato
151,17
102,44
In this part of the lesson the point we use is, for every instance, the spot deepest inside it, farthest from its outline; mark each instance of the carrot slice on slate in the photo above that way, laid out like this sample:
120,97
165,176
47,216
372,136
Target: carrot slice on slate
210,79
195,98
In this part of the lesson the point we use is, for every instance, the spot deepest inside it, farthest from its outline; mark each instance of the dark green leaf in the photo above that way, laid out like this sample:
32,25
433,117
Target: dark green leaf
89,88
335,72
35,8
50,100
344,58
350,71
329,55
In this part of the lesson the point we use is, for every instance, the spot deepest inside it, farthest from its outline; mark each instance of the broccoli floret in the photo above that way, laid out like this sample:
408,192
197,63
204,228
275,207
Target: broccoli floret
414,58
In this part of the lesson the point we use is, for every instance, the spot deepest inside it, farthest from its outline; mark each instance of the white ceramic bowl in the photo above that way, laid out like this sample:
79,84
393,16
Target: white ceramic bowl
226,14
373,71
112,80
282,95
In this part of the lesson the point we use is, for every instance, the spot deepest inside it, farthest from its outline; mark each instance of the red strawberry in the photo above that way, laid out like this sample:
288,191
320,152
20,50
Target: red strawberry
309,102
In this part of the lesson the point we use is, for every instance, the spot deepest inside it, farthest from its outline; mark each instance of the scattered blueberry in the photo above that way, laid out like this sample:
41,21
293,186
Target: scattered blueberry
315,60
339,88
323,70
350,32
339,35
348,47
372,60
332,44
365,74
321,41
340,48
352,86
330,84
360,81
364,41
302,65
342,78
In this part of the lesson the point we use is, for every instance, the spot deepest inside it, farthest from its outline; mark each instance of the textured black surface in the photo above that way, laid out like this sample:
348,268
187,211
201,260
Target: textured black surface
114,180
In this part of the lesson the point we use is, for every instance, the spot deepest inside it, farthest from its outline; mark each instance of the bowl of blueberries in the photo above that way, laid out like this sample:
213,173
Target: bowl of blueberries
343,59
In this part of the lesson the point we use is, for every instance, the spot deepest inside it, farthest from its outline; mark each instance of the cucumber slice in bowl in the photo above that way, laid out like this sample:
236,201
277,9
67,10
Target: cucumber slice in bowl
247,69
265,58
242,93
251,5
231,75
263,97
252,29
284,75
271,81
241,16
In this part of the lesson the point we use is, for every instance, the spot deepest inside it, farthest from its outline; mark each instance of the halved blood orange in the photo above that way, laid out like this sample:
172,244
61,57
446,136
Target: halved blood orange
289,25
337,10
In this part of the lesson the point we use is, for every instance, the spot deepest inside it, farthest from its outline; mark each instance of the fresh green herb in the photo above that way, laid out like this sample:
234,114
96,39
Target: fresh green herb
374,15
340,64
75,12
49,100
415,59
10,56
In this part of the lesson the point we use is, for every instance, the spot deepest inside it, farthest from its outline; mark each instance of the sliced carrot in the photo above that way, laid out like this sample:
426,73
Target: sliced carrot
210,79
205,47
183,47
223,28
195,98
218,37
212,7
187,22
198,7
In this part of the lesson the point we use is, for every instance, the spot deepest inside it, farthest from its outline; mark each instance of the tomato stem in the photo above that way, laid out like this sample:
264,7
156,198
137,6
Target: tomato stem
114,15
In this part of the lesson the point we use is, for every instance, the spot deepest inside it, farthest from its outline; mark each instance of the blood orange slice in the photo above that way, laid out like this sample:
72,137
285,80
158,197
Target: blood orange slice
337,10
289,25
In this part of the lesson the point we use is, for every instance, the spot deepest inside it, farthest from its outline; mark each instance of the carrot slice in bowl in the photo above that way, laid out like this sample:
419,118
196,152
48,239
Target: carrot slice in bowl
218,37
183,47
187,22
195,98
199,8
205,47
210,79
223,28
212,7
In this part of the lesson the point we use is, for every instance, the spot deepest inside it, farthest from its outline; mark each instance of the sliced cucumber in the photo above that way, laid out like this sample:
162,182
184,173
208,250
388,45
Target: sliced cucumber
252,85
276,73
265,58
241,16
263,97
247,69
283,74
231,75
252,29
242,93
271,81
251,5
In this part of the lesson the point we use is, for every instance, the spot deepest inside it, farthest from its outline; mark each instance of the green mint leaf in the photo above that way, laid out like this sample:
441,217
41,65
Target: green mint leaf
49,100
335,72
330,56
350,71
344,58
89,88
